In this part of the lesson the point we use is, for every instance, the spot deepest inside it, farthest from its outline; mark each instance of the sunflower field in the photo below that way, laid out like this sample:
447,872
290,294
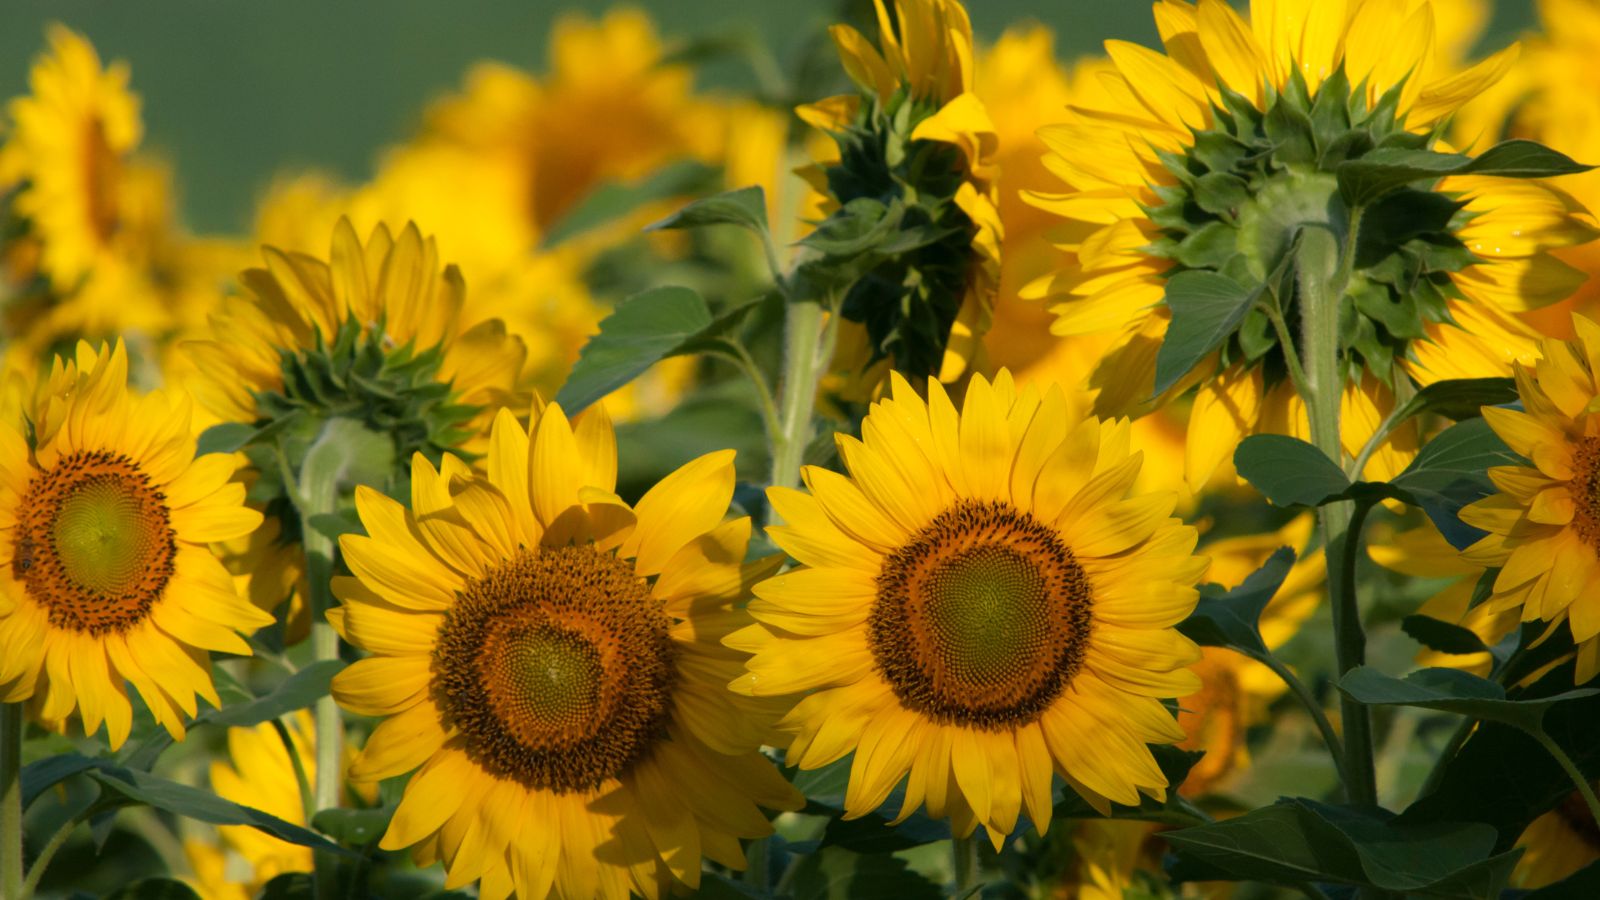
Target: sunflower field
921,462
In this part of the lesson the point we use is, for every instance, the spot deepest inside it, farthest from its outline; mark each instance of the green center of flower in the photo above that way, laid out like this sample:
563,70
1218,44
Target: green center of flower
99,535
557,668
982,618
1246,187
94,543
899,236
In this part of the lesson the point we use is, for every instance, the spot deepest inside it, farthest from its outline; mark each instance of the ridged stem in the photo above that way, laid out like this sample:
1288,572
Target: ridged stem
1322,276
11,800
807,348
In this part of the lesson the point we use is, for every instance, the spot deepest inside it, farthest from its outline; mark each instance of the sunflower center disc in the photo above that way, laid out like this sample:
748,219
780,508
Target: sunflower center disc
982,618
1586,490
557,668
94,543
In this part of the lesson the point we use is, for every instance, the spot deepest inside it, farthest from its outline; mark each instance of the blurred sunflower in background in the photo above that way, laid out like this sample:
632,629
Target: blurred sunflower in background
915,156
106,571
1180,166
985,589
549,657
93,248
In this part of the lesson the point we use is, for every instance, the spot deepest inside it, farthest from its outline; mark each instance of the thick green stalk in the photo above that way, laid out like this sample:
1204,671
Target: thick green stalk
807,347
964,862
11,800
1322,278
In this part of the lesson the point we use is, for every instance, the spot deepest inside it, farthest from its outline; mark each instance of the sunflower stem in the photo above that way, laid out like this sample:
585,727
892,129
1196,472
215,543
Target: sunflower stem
1312,707
36,873
964,863
1323,274
808,336
11,800
1571,768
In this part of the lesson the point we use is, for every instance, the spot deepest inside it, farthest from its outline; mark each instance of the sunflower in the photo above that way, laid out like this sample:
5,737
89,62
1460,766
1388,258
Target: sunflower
1544,523
1559,843
985,592
549,657
916,147
1111,856
107,572
96,212
1212,156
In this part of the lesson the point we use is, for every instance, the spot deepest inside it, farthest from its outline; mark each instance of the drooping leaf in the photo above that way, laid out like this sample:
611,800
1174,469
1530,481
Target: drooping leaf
1300,840
643,330
1451,472
834,873
154,889
355,827
203,806
1289,471
1457,398
41,775
1503,778
1443,637
745,207
298,691
289,886
1231,618
1387,169
1454,691
873,834
1206,308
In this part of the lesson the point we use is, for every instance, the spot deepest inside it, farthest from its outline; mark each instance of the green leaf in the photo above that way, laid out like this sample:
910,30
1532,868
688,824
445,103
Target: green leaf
720,887
204,806
225,438
355,827
1503,778
1457,398
1289,471
1206,308
1453,691
643,330
1450,472
1388,169
41,775
1301,840
873,833
613,200
1524,159
1231,618
1444,637
298,691
745,207
834,873
860,226
289,886
154,889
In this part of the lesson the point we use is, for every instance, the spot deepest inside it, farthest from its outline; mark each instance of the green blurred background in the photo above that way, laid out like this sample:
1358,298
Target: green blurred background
235,90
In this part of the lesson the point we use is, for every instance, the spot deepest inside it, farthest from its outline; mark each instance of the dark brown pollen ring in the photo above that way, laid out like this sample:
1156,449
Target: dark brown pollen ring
557,667
1586,490
94,543
982,618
